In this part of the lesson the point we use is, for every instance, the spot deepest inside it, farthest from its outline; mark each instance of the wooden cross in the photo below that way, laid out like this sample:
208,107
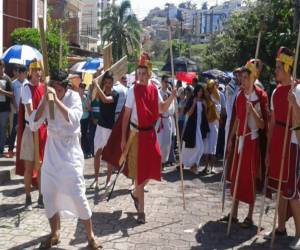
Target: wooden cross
46,67
119,69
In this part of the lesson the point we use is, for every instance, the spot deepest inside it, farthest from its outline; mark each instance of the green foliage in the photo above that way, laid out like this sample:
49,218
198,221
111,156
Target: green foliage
179,48
236,44
31,37
121,27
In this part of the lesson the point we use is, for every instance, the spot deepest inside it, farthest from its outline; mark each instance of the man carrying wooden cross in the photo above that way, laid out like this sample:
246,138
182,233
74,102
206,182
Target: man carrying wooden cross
31,96
63,185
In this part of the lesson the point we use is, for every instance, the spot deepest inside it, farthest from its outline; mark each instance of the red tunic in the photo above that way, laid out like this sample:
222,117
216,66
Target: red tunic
290,182
280,105
149,158
250,158
37,93
251,171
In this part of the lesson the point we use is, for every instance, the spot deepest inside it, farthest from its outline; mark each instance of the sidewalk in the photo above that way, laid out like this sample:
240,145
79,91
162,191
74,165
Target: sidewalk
168,225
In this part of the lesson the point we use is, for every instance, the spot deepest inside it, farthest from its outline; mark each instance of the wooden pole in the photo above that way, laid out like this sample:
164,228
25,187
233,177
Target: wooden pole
242,146
284,145
46,67
60,45
225,170
176,115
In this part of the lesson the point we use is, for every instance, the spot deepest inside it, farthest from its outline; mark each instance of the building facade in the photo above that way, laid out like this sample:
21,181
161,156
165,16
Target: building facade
17,14
70,12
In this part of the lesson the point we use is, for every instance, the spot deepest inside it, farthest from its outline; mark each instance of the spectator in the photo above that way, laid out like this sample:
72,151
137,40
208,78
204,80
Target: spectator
75,80
17,85
121,89
5,98
84,122
94,117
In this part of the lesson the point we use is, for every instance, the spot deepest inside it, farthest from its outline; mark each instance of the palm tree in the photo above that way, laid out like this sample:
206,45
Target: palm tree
120,26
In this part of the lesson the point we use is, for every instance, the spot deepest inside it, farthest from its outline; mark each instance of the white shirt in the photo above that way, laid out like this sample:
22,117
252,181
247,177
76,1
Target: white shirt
17,88
130,103
251,120
296,92
26,98
122,91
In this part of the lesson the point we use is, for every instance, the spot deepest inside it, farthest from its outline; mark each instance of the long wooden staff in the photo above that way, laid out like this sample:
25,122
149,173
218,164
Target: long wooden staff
284,145
122,161
46,67
226,170
242,147
176,113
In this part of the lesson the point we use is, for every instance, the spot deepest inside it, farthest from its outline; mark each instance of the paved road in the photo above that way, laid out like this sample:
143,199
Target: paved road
168,225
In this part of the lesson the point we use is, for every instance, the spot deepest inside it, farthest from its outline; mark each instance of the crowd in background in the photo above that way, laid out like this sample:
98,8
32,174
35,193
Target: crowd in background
212,97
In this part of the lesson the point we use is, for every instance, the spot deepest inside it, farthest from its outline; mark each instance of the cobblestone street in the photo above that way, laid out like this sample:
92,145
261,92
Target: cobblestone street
168,225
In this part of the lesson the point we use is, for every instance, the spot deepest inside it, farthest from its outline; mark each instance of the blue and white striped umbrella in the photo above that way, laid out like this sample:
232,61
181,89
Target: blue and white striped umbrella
21,54
92,65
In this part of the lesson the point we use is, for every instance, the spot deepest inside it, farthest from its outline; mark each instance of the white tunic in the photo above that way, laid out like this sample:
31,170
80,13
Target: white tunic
62,180
164,129
192,156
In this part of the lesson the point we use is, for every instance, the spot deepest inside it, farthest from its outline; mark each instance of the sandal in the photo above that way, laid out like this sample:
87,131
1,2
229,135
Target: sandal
226,219
49,242
141,219
247,223
93,245
135,200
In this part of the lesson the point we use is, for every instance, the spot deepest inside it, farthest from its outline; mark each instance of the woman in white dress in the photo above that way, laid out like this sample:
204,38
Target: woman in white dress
195,131
63,185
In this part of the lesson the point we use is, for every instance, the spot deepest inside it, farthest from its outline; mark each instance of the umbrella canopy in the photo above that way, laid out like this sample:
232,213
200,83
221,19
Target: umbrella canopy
217,75
181,64
21,54
92,65
77,67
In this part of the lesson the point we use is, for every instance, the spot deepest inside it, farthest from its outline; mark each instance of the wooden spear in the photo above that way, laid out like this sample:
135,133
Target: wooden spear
284,144
176,112
242,147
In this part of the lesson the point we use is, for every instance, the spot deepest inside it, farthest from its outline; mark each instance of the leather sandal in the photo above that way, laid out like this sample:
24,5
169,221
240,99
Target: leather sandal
135,200
49,242
141,219
93,245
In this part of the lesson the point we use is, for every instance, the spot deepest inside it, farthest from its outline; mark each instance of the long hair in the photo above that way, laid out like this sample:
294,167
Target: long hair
107,75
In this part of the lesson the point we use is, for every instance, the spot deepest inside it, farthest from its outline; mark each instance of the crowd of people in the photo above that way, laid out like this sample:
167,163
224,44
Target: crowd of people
234,122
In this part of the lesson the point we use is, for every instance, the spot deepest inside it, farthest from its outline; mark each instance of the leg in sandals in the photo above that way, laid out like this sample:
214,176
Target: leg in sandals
53,239
92,244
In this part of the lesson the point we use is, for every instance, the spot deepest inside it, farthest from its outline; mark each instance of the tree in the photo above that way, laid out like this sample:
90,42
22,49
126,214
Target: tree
31,37
121,27
237,42
179,49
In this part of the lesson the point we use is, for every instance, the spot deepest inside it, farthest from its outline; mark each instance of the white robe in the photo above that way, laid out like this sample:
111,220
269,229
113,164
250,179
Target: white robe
62,180
164,130
192,156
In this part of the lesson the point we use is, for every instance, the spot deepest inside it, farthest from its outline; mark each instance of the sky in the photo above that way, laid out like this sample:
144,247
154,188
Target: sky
142,7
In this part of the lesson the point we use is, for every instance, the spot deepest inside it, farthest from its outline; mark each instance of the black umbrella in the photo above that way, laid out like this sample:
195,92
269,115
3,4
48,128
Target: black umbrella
181,64
217,75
